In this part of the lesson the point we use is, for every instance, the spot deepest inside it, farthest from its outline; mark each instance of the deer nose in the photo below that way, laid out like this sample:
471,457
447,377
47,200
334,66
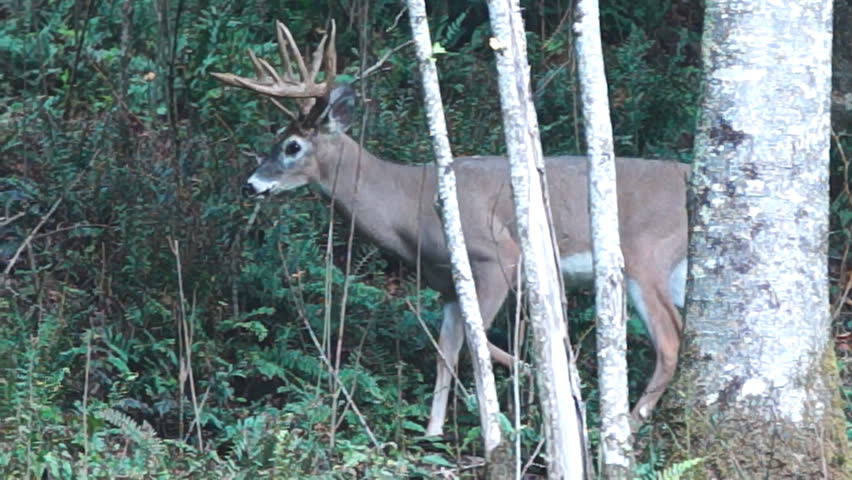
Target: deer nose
248,190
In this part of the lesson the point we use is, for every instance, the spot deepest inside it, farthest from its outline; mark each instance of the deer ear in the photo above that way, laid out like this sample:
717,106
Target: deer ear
340,109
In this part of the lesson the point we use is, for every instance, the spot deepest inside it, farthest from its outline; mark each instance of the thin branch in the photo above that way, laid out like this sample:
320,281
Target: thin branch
434,342
71,227
300,309
69,92
347,274
368,71
530,461
186,339
7,220
85,407
841,299
396,19
43,220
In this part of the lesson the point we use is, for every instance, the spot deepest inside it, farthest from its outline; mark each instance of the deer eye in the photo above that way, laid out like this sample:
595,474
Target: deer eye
292,148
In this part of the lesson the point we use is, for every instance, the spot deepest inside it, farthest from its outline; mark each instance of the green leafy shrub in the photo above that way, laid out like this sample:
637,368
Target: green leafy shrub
157,326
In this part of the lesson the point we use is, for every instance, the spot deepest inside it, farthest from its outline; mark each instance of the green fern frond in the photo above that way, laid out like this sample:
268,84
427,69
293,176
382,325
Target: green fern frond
676,471
143,434
365,254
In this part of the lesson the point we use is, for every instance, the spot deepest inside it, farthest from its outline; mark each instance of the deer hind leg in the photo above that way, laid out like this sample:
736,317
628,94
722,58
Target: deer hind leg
498,355
491,289
653,301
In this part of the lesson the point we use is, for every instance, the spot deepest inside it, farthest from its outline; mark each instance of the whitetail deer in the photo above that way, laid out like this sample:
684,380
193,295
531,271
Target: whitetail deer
393,208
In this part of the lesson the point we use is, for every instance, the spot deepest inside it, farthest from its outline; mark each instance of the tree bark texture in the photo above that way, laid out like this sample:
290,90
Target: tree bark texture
558,388
486,391
616,446
758,379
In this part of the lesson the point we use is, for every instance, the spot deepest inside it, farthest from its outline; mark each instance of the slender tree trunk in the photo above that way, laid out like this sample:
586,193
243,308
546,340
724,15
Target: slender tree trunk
616,440
123,110
497,465
558,385
758,380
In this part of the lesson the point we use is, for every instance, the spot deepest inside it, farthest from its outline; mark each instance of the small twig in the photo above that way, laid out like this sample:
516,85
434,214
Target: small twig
369,71
349,242
30,237
252,218
516,380
565,18
43,220
300,309
71,227
224,124
396,20
841,299
357,363
339,382
347,278
473,465
845,160
86,403
69,91
284,109
416,313
186,340
201,404
532,457
822,454
549,78
7,220
122,101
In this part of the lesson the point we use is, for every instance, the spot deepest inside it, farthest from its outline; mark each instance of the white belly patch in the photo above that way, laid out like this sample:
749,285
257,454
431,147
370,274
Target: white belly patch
577,268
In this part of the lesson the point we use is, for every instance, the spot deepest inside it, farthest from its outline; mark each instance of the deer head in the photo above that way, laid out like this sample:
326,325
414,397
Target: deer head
325,110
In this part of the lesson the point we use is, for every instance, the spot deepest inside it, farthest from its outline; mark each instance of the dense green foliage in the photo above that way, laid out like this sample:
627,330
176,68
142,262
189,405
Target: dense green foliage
155,325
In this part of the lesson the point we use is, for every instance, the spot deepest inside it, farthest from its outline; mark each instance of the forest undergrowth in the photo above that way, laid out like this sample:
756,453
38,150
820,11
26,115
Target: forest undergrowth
156,325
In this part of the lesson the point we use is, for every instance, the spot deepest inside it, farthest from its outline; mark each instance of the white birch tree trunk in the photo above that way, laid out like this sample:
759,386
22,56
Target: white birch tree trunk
616,447
558,388
759,380
486,392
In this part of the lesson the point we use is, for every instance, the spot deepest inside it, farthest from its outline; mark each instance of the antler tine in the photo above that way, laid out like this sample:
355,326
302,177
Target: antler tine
283,31
318,56
285,84
258,68
284,54
284,109
331,56
270,72
262,69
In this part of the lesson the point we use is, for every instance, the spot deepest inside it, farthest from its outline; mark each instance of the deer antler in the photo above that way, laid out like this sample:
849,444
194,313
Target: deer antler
286,84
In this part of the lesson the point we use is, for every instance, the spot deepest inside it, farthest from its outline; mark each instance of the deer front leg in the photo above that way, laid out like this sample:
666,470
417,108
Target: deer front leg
450,342
491,289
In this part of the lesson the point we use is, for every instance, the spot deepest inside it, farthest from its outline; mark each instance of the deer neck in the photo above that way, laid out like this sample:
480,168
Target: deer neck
380,197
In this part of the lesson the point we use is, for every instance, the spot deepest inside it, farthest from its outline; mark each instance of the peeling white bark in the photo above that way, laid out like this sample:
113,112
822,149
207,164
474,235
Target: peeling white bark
616,439
486,392
558,388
